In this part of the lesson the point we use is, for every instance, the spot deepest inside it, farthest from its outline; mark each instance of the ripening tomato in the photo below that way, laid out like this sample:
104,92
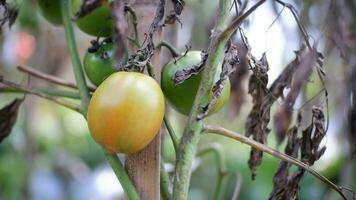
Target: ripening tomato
99,22
182,96
126,112
51,11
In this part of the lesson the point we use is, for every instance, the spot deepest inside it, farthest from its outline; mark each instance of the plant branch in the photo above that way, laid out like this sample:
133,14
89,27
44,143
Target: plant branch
164,183
27,90
53,79
237,187
194,126
72,48
171,132
174,52
222,173
121,174
273,152
48,91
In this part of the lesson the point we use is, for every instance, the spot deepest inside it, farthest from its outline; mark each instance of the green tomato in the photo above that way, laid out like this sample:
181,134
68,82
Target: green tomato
182,96
98,22
98,62
51,11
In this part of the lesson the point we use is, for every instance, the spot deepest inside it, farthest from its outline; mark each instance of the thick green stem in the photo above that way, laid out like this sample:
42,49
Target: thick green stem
193,129
72,48
164,183
121,174
191,136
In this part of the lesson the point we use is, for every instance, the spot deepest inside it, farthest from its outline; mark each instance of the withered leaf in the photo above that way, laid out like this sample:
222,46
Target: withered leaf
138,60
181,75
299,70
231,58
280,180
259,117
286,185
238,78
8,116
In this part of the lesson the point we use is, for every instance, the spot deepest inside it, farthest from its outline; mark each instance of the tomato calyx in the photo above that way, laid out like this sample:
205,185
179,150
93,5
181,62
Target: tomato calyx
96,45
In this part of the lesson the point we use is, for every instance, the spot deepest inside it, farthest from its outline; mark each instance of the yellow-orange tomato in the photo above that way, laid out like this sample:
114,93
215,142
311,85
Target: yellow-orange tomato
126,112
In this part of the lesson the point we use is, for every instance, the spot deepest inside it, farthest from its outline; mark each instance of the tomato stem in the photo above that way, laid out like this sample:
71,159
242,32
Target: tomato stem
171,132
14,87
192,131
223,173
164,183
72,48
121,174
174,52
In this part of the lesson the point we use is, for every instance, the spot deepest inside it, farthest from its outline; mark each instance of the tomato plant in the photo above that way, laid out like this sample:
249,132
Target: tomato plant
126,112
98,61
182,96
51,11
99,22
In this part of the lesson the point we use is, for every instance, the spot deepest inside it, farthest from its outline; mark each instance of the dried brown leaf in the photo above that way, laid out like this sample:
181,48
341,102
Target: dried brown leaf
8,116
238,79
299,70
286,185
182,75
231,58
138,60
258,119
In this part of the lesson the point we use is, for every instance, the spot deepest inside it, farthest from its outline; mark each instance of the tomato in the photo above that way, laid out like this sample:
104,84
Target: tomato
98,22
182,96
51,11
126,112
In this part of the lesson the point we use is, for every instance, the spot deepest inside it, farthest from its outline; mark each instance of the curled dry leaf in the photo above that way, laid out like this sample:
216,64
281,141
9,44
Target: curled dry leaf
182,75
231,59
142,56
238,80
174,14
259,117
299,70
8,116
286,185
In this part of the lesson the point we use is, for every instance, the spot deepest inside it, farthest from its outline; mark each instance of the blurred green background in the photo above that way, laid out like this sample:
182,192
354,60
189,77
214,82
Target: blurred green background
50,154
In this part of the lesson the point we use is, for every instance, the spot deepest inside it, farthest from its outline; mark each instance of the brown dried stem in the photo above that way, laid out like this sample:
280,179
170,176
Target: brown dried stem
53,79
30,91
261,147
